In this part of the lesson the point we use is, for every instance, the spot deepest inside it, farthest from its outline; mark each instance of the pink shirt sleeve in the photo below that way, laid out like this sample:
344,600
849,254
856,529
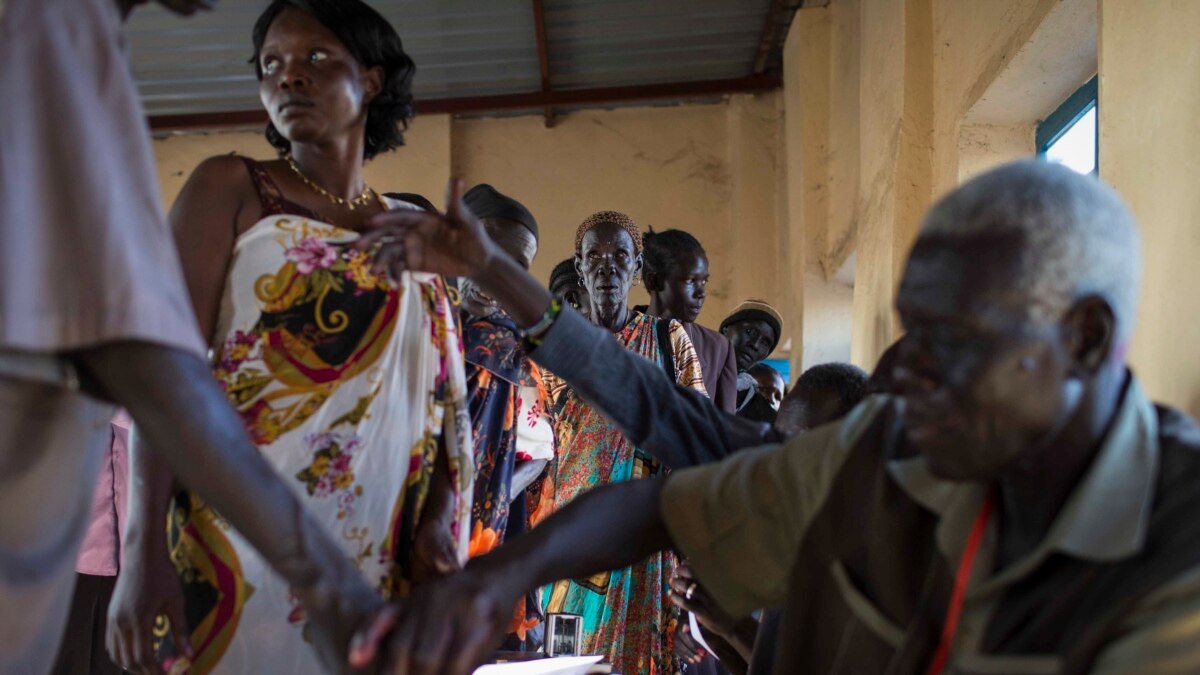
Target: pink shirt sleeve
101,553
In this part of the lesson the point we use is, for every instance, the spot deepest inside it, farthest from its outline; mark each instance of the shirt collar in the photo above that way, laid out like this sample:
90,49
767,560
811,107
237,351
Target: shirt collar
1106,516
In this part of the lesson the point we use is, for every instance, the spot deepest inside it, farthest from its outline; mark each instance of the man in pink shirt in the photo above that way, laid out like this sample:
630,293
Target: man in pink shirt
94,314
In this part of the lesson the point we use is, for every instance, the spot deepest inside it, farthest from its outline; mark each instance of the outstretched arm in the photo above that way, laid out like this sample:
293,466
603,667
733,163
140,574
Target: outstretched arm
450,627
679,426
184,415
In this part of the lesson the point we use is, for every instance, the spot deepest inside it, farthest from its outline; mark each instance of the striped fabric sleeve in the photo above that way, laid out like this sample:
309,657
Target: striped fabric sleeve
687,362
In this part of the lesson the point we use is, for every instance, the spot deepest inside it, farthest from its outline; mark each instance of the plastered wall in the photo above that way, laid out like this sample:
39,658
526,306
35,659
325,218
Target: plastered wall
902,100
1150,152
421,166
709,169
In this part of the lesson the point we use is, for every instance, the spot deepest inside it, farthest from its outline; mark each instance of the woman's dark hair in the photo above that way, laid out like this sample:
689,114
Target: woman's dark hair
373,42
562,272
662,248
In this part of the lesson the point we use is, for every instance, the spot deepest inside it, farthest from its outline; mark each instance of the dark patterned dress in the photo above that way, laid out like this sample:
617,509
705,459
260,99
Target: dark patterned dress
510,424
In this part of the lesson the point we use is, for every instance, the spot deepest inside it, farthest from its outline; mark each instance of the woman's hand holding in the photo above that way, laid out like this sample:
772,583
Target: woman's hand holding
689,595
453,243
447,627
147,587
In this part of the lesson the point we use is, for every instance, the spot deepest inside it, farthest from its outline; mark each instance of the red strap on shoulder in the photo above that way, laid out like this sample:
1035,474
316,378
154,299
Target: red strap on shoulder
974,539
269,194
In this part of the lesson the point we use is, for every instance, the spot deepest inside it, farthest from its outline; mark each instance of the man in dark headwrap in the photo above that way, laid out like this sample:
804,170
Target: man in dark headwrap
513,437
754,329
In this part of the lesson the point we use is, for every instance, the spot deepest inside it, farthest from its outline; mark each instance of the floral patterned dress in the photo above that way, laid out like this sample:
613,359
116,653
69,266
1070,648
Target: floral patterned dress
510,425
350,386
626,613
510,422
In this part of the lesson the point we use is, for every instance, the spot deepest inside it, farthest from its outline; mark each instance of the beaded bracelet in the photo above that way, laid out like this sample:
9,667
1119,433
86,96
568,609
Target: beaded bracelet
536,332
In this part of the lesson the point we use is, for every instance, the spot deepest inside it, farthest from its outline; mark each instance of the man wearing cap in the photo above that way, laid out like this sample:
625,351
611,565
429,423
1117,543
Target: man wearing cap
754,330
510,424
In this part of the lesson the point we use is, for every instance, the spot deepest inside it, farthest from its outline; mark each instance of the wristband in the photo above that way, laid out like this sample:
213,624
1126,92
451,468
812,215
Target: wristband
537,331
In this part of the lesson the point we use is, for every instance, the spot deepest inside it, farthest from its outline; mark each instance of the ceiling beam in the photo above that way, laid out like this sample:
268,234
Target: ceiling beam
583,98
775,30
539,27
766,39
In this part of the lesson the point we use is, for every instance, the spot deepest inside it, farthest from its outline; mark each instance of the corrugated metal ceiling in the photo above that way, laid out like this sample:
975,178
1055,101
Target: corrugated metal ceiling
463,47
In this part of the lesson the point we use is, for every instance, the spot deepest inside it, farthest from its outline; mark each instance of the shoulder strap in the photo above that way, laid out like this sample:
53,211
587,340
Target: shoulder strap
663,329
268,192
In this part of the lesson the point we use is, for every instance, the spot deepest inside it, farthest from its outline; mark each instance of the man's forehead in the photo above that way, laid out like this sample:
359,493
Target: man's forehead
607,234
963,273
752,322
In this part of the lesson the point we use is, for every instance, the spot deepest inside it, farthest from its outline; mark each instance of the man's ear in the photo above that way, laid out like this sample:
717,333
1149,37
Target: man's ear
1090,327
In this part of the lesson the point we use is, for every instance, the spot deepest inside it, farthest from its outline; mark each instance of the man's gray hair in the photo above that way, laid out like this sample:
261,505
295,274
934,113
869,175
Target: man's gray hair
1078,239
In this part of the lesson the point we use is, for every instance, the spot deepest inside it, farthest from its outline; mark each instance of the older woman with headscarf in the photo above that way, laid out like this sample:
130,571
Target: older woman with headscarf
626,613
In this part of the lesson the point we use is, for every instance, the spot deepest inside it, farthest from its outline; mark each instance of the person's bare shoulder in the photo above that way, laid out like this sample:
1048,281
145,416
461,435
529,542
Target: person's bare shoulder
216,194
222,173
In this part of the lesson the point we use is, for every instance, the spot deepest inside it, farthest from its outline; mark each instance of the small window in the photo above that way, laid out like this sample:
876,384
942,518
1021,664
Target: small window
1070,134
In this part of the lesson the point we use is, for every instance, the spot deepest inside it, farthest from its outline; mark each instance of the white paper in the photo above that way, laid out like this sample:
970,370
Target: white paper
564,665
698,635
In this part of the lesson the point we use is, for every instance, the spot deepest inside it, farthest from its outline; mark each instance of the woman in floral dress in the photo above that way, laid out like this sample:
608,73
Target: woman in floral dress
350,382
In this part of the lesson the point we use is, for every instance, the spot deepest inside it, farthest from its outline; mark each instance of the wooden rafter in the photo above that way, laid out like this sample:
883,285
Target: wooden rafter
775,29
539,27
596,97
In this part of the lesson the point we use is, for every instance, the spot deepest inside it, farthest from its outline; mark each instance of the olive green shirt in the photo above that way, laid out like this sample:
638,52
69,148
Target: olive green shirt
740,522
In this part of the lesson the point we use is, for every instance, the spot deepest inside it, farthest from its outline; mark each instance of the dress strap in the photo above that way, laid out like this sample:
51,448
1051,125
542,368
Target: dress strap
268,192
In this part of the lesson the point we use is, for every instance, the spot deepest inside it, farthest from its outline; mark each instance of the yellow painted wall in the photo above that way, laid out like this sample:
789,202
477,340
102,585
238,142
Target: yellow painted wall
709,169
421,166
1150,152
715,170
913,96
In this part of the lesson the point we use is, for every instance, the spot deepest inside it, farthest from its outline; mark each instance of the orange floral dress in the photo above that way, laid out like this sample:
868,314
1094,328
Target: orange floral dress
627,615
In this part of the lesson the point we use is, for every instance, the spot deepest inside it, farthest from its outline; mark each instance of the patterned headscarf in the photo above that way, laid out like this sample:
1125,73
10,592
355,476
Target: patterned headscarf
614,217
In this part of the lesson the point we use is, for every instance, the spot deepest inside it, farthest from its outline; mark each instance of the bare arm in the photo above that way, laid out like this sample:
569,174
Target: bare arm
203,221
680,426
202,440
450,627
435,548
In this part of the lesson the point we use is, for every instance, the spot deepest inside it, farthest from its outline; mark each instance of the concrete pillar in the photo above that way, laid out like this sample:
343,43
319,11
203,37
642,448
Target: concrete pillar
755,158
896,93
806,71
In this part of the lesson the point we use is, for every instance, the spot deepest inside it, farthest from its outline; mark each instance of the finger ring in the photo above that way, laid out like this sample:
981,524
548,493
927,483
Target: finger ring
690,590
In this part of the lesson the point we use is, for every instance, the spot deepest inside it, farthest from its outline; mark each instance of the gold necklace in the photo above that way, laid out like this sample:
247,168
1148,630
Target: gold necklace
362,199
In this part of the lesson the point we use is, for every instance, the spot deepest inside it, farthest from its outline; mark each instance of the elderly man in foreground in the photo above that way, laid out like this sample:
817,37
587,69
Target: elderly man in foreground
1018,505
